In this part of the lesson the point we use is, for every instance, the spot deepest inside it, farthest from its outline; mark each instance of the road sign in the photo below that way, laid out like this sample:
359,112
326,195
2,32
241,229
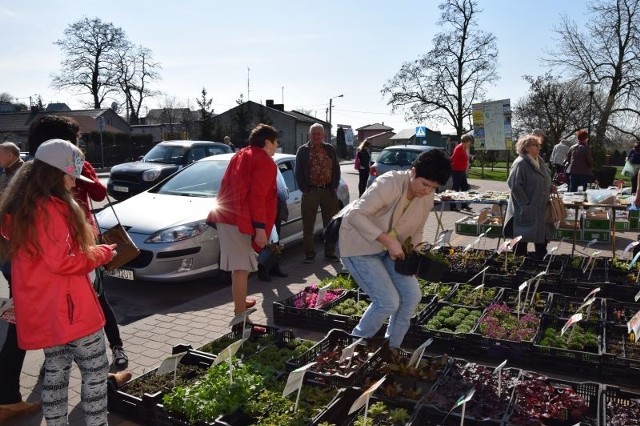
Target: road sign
421,132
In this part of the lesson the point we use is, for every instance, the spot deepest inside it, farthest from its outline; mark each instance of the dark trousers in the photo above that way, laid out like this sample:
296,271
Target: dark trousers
362,182
11,361
634,183
327,200
459,183
540,249
111,325
559,168
576,181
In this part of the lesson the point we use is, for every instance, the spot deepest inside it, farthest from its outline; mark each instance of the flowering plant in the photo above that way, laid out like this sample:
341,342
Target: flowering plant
308,298
501,323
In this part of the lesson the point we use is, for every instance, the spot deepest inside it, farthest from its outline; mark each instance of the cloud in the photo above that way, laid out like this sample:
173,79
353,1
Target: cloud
7,13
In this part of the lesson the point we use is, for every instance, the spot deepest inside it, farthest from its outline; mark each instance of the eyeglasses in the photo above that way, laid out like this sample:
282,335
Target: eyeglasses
536,144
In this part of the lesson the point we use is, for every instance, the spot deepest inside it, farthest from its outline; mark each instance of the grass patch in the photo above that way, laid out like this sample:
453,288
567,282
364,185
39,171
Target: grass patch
499,174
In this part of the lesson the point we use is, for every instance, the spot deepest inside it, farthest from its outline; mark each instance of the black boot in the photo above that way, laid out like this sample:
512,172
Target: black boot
263,274
277,272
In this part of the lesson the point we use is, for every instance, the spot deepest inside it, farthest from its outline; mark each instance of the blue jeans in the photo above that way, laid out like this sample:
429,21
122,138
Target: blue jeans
393,296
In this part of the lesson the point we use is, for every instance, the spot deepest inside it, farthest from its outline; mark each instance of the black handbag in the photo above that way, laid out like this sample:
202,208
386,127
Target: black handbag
331,232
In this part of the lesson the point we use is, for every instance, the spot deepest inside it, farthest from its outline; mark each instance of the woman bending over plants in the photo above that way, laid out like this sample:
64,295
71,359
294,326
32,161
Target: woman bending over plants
394,208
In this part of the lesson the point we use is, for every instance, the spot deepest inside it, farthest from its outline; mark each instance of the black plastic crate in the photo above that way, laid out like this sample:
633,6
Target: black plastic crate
618,312
482,297
371,359
142,408
445,331
293,312
337,412
619,407
261,335
553,389
563,307
540,299
499,348
485,407
620,359
567,360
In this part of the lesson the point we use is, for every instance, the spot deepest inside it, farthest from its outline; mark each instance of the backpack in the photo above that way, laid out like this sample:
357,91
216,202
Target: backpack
356,165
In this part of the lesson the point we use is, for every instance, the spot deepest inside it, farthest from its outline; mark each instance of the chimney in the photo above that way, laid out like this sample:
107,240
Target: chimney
279,107
270,103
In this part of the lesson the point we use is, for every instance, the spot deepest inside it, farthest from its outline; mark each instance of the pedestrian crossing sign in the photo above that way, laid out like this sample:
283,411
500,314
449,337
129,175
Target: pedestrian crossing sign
421,132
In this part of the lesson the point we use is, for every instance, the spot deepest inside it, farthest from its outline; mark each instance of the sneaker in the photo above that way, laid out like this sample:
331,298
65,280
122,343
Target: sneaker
250,302
332,258
120,358
309,258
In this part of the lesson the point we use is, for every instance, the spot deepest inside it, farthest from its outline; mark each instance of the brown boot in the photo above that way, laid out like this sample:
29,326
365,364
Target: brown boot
21,408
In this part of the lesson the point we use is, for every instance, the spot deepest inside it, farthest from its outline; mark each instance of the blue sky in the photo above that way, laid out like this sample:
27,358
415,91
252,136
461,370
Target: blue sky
302,53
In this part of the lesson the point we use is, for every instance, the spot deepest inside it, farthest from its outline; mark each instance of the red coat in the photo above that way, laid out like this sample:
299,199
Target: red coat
54,300
247,196
459,159
83,191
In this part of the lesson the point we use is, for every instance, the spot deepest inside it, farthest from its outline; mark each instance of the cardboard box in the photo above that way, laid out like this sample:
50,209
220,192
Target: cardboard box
634,224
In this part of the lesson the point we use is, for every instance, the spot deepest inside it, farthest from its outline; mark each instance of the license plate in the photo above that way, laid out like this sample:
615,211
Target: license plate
120,188
123,274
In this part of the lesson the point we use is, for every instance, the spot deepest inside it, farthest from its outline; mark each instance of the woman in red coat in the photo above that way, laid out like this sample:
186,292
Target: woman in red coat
246,209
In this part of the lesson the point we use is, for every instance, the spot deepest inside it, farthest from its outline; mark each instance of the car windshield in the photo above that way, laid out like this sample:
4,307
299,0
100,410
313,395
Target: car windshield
167,154
201,179
397,157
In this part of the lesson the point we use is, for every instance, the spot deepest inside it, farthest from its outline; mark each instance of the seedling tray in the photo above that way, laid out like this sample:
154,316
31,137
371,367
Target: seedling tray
563,307
565,360
522,403
619,407
326,353
292,311
620,357
142,408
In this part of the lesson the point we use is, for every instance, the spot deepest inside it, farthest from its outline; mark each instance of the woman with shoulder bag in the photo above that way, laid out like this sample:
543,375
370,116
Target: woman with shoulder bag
530,185
52,249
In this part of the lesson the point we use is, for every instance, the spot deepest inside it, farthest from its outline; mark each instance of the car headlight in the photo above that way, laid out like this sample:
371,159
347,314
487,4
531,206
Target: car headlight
178,233
150,175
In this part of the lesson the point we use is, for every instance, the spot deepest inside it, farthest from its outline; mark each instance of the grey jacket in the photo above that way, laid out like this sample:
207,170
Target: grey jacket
380,210
580,160
530,188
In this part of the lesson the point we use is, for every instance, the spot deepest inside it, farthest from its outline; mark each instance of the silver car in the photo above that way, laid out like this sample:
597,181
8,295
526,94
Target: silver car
167,222
398,157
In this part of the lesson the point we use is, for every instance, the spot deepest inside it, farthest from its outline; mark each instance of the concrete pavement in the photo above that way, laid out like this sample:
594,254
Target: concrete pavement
149,340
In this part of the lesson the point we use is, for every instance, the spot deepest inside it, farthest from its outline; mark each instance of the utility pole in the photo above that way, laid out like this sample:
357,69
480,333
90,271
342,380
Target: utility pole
248,91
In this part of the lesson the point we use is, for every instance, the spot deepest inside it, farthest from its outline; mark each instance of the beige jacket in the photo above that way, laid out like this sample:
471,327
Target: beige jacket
380,210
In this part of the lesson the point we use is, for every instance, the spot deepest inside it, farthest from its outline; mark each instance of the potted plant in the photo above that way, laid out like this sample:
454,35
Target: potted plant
411,262
270,255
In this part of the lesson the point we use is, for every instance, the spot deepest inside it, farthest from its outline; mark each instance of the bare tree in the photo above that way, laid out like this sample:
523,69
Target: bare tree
443,84
90,65
606,51
136,69
556,106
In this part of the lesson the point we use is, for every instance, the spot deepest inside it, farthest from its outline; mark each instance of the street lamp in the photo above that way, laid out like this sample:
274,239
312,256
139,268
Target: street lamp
592,85
331,105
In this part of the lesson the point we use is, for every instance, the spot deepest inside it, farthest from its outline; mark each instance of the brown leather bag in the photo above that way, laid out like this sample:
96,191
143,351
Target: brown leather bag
126,249
556,211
